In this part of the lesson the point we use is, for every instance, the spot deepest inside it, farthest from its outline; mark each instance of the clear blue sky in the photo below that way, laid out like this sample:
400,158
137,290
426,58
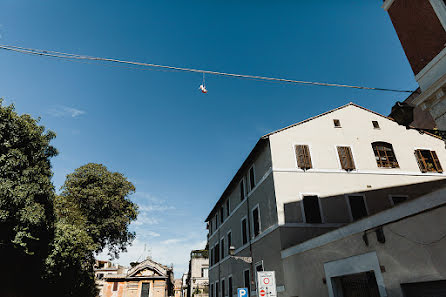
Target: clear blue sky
178,146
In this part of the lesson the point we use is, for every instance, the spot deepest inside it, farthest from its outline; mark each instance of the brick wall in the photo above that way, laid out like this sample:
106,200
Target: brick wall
419,30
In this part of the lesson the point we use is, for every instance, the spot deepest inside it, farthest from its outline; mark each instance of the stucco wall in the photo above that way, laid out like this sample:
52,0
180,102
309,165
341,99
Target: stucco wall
413,251
327,179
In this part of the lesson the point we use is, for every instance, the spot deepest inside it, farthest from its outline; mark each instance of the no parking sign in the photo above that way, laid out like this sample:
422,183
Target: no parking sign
266,281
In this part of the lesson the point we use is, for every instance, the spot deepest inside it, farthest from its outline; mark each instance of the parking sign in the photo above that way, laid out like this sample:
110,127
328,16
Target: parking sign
242,292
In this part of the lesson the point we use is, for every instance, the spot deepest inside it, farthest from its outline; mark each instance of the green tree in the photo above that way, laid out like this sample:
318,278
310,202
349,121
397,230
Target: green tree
93,213
26,198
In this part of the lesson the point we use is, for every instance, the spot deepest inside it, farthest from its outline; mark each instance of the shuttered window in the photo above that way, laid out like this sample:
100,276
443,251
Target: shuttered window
242,190
303,157
115,286
244,232
384,155
256,221
230,286
428,161
346,158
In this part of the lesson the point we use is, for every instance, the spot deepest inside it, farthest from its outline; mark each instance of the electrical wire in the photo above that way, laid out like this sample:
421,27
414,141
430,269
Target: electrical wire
76,57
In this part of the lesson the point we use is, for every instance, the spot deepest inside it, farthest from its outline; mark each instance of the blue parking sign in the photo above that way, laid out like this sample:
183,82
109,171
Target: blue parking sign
242,292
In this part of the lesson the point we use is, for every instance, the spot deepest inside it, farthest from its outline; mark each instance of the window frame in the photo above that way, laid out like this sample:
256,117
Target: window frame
249,281
310,154
229,241
378,162
115,286
396,195
230,294
242,188
435,160
251,187
350,212
222,247
223,289
217,289
247,230
228,207
259,220
378,127
339,158
302,208
337,123
211,289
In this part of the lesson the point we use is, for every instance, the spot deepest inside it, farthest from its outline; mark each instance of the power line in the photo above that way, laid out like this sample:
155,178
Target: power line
76,57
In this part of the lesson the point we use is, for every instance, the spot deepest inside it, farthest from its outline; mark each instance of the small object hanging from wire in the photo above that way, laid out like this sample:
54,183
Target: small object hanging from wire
203,86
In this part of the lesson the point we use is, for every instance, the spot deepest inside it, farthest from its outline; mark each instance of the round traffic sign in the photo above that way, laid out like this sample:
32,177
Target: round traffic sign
262,292
266,280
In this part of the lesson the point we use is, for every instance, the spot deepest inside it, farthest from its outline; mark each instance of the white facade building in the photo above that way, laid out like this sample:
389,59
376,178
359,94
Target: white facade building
310,178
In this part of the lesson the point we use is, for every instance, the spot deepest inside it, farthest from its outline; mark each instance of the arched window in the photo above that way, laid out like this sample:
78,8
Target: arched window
384,155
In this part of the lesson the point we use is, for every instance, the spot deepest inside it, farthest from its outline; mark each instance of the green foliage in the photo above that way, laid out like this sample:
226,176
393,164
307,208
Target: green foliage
49,239
97,200
93,213
26,193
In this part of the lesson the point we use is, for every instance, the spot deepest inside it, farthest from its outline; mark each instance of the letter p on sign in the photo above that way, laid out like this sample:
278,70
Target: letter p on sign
242,292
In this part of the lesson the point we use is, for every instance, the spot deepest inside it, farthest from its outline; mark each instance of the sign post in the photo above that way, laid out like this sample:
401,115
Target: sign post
266,281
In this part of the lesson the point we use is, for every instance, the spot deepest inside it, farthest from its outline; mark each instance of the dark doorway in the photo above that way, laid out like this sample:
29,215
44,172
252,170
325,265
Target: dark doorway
145,289
356,285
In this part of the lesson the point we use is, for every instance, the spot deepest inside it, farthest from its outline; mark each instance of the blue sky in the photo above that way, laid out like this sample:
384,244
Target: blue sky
180,147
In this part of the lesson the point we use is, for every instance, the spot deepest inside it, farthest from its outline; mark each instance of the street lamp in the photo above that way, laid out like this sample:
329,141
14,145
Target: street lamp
244,259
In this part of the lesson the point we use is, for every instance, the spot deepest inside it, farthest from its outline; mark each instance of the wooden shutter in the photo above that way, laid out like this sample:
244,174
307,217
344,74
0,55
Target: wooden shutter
115,286
420,161
346,157
303,157
436,161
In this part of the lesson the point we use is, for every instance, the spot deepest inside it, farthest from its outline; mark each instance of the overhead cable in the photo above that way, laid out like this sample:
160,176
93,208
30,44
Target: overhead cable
76,57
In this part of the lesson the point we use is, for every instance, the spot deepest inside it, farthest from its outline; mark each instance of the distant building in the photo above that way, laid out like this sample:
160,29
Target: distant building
313,178
421,29
197,277
103,268
184,285
177,287
145,279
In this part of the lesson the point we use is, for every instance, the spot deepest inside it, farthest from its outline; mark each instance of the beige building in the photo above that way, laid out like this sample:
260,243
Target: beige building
148,278
311,178
198,274
103,268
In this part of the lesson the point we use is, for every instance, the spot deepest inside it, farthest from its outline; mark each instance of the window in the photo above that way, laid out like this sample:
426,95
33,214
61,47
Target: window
246,281
223,293
229,240
222,247
217,253
230,286
252,179
428,161
358,207
259,266
303,157
210,226
212,291
337,123
204,272
244,232
212,257
397,199
375,124
217,290
242,189
115,286
346,158
292,211
216,221
228,211
145,288
222,214
384,155
256,221
312,209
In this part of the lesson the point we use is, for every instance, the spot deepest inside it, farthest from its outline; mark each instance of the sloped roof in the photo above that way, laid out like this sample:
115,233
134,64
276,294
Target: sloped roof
265,138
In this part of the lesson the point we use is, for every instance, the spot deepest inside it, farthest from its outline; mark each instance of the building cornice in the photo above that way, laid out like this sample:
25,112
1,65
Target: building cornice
386,5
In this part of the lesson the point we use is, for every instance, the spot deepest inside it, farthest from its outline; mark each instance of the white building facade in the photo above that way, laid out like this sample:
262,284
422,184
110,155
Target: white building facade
310,178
